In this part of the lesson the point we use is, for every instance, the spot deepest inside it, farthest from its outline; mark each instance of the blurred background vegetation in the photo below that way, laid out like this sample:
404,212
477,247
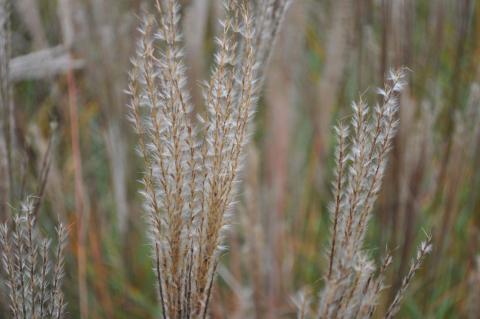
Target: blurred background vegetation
65,138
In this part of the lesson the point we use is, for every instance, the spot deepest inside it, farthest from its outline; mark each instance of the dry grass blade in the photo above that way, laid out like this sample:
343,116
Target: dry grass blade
42,64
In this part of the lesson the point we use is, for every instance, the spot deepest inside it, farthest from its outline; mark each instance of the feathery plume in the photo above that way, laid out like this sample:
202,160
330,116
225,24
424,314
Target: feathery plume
192,167
33,280
353,283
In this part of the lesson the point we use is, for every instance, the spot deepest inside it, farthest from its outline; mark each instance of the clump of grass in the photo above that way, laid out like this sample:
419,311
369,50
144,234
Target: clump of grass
191,166
353,283
33,279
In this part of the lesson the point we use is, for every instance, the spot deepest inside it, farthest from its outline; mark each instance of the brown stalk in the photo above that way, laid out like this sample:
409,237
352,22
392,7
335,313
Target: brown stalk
338,195
159,279
79,196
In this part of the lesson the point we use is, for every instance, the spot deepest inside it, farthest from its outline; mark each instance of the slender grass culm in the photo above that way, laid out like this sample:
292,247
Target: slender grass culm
191,167
33,279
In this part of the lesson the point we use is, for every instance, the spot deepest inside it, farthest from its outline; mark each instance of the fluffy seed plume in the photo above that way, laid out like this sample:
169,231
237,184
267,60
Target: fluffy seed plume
192,167
33,279
353,283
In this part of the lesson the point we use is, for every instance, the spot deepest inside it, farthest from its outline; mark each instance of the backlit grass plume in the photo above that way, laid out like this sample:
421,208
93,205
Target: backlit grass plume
192,166
353,283
33,278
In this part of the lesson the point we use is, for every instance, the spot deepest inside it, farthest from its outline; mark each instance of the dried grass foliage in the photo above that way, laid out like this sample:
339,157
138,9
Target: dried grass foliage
33,276
353,283
193,155
192,165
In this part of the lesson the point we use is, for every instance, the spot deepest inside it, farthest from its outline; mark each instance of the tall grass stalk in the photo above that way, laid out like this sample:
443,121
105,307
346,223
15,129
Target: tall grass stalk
353,283
192,167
